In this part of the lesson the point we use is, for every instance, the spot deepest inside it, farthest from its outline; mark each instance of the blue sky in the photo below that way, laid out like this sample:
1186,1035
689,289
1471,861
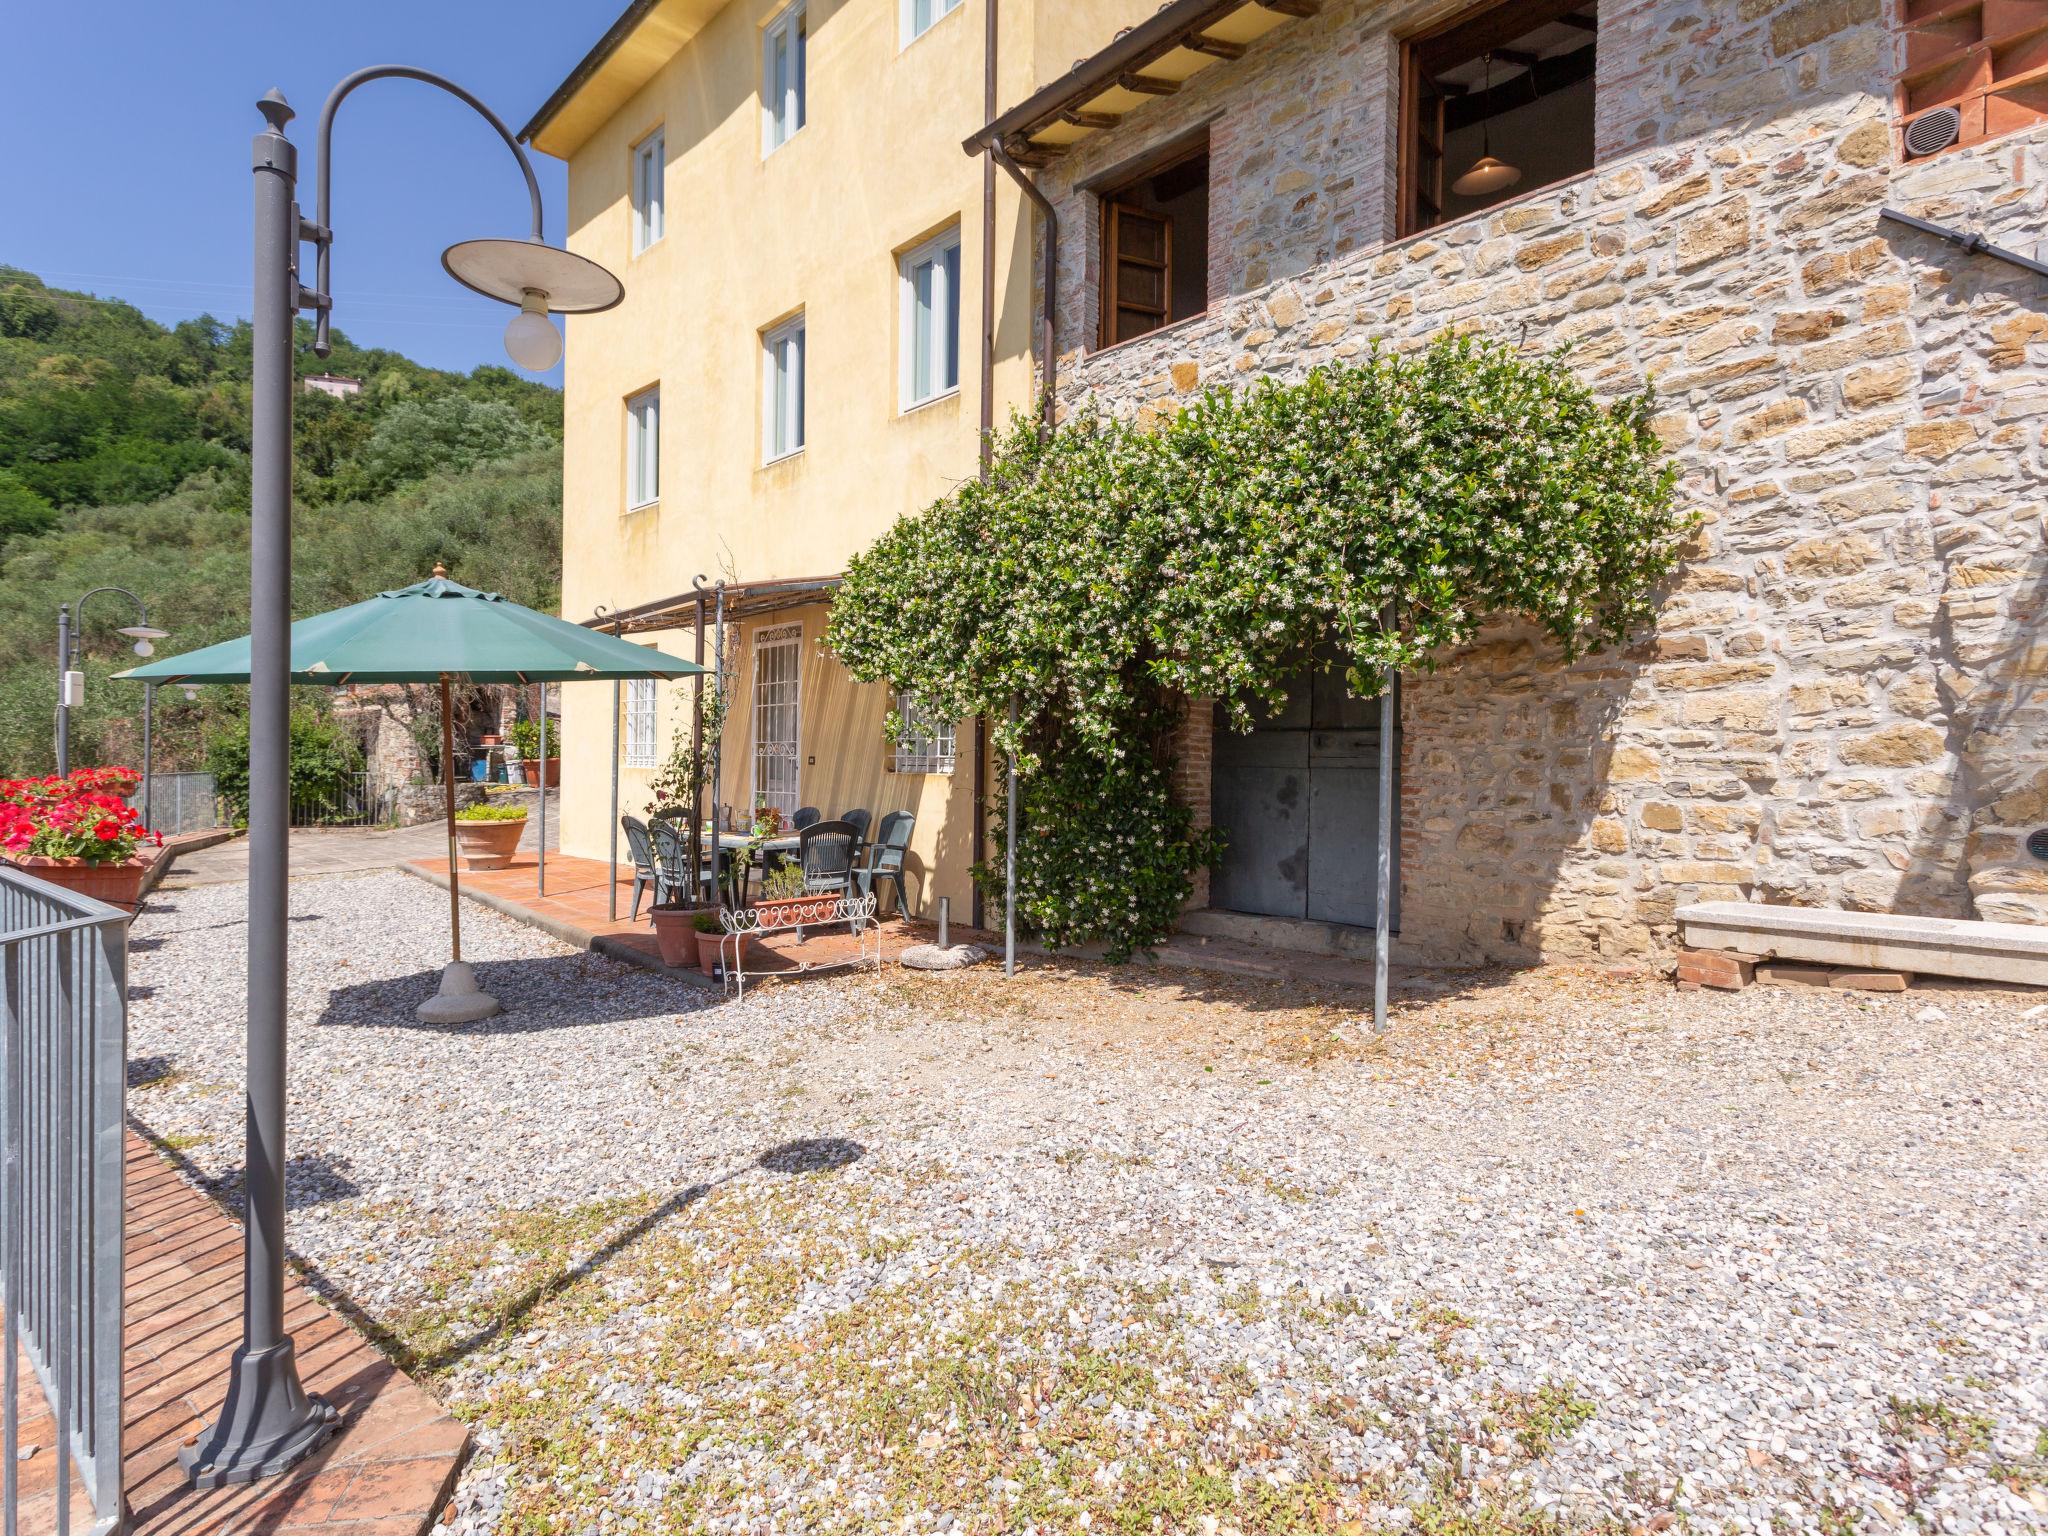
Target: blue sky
128,125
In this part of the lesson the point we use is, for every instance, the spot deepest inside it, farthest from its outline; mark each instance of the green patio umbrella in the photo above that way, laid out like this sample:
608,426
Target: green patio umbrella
436,631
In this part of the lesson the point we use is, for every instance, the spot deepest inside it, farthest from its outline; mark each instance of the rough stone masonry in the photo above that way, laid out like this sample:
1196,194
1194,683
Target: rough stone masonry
1841,703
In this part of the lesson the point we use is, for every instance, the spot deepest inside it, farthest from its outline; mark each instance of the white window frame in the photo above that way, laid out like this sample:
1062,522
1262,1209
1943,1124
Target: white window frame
785,102
938,11
777,637
643,449
639,725
929,253
783,350
925,744
648,192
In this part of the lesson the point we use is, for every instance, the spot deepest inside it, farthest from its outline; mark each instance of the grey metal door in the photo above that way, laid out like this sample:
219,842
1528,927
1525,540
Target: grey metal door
1299,800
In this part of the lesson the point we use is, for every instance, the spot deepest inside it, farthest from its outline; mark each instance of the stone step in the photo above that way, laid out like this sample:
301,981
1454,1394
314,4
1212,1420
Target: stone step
1872,941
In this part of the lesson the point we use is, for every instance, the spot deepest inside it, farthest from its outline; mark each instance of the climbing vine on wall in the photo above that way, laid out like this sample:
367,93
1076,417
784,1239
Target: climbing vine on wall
1102,572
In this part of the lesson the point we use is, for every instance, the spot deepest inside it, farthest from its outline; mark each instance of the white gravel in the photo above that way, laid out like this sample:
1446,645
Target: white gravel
1787,1244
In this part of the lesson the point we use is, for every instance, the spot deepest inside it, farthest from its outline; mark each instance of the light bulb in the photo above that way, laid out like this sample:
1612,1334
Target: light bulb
531,339
144,648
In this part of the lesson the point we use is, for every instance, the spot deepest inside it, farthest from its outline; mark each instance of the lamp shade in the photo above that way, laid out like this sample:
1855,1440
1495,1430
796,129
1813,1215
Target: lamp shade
508,270
1487,175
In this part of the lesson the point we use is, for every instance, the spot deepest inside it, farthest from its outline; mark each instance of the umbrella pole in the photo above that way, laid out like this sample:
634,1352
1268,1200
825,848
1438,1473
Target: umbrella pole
541,883
448,788
458,1001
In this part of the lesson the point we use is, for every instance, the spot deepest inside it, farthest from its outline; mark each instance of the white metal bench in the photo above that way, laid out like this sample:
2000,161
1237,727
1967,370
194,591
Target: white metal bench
855,914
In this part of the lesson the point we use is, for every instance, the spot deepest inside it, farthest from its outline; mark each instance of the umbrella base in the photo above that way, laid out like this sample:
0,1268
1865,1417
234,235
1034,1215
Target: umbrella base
458,1001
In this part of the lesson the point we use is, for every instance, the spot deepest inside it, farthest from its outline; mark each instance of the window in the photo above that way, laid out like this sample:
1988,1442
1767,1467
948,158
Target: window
931,319
782,391
777,696
1155,246
640,722
918,16
643,449
925,744
1495,104
648,169
783,47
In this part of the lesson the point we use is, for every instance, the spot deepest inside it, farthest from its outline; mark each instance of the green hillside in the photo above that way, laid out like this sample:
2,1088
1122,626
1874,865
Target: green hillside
124,461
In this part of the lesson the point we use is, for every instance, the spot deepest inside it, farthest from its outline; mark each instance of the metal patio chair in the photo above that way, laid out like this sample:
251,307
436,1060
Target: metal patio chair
882,860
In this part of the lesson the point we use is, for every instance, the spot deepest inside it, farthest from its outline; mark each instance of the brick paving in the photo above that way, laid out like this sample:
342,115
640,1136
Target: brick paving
385,1473
578,910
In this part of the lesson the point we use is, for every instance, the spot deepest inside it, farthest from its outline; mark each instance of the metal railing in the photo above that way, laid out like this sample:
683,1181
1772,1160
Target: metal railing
63,1064
181,802
352,802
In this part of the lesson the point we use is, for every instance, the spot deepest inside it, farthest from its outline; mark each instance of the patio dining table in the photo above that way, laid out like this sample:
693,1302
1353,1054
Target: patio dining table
738,842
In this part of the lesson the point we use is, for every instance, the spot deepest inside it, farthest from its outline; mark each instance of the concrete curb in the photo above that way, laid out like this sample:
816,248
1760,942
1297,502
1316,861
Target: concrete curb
183,842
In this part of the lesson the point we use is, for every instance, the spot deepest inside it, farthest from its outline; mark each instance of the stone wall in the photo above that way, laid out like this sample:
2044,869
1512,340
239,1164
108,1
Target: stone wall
1842,701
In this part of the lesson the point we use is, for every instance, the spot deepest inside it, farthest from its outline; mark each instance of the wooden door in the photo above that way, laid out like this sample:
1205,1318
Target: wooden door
1138,262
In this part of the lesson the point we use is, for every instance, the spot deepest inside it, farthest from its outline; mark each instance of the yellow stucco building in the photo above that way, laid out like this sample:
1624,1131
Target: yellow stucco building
796,364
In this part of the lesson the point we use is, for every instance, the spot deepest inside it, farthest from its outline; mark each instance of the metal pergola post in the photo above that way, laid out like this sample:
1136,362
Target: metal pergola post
1010,849
542,849
612,837
1383,913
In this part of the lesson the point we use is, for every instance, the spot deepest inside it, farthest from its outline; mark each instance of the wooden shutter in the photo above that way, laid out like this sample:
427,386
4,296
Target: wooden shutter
1138,272
1424,204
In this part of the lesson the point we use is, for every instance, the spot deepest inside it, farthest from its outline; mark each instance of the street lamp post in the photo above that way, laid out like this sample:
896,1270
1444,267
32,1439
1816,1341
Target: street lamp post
268,1420
70,645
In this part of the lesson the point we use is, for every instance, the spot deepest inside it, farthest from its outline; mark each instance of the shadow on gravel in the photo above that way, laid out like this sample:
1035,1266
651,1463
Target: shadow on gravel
548,993
820,1154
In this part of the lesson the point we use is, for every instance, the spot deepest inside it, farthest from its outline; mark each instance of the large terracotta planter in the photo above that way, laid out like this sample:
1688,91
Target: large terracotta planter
674,936
119,885
530,767
487,844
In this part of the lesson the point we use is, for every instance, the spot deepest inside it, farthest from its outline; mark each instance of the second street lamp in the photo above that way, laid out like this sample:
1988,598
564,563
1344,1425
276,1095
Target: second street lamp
268,1421
71,681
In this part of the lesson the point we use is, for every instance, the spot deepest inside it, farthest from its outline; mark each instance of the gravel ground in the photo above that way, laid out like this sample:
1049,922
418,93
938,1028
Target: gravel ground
1148,1251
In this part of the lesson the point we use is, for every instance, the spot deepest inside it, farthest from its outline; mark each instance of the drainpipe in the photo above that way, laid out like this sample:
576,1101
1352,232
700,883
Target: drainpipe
997,153
979,839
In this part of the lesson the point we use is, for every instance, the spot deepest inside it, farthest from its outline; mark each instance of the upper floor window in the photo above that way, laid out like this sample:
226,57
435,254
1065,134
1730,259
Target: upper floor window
783,47
639,722
648,167
643,449
782,390
920,15
931,319
1494,104
1155,246
925,744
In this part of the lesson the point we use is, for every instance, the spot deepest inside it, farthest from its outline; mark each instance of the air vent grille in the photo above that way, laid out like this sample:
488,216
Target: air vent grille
1933,131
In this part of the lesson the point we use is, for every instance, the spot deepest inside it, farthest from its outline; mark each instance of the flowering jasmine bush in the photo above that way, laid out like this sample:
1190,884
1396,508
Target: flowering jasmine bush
1101,573
68,819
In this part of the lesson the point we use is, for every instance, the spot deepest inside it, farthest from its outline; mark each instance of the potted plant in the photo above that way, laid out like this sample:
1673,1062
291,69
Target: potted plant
487,835
526,741
85,840
710,934
672,932
785,903
120,782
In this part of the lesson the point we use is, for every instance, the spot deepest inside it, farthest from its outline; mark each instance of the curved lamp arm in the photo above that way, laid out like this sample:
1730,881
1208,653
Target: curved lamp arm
324,233
78,613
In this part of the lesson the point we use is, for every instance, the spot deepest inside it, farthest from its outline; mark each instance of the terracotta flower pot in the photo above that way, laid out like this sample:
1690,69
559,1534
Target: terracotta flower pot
674,936
487,844
530,767
707,951
118,885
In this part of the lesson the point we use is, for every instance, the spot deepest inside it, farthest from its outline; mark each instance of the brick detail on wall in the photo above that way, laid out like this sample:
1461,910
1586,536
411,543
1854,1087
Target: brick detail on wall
1193,764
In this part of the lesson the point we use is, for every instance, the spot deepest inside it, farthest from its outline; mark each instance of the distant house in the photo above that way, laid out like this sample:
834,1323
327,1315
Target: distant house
331,384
